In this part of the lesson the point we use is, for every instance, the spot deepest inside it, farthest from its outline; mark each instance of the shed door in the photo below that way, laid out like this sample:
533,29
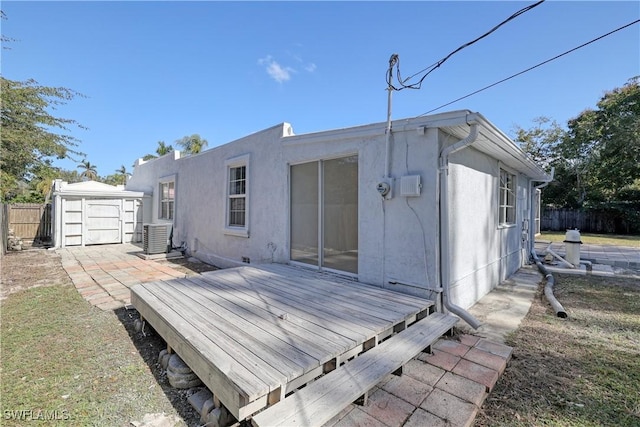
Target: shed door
103,222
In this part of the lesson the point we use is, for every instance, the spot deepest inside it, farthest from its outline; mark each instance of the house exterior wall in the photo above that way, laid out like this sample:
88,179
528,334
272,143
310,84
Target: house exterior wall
398,239
482,252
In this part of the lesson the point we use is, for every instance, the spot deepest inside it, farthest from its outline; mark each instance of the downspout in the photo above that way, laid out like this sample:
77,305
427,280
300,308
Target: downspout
545,183
445,264
532,232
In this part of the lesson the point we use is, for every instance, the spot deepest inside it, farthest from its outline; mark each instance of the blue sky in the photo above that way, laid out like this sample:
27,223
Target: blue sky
155,71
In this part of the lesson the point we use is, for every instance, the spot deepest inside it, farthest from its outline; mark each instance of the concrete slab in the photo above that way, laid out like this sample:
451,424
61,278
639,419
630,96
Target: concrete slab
502,310
602,270
155,257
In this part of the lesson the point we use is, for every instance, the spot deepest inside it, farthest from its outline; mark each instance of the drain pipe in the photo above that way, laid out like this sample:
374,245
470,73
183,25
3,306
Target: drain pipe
445,265
548,287
532,231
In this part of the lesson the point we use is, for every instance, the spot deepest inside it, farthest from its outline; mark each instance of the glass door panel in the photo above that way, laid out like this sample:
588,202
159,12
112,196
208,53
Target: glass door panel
324,213
304,213
340,214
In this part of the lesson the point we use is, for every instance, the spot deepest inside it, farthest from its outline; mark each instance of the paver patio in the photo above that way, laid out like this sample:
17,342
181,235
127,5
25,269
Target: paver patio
103,274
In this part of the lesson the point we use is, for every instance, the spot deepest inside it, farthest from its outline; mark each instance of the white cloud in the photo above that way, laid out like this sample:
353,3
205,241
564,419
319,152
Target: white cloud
276,71
311,67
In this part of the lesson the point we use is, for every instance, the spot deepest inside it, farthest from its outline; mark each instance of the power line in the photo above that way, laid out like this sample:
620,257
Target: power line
437,64
531,68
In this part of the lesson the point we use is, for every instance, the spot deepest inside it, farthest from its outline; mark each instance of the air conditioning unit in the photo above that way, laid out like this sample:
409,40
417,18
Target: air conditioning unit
155,238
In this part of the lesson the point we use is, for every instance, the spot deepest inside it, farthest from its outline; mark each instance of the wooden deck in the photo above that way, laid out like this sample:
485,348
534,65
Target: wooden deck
254,334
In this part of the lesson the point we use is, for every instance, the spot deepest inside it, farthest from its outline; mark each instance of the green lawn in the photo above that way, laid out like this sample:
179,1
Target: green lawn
71,364
594,239
574,372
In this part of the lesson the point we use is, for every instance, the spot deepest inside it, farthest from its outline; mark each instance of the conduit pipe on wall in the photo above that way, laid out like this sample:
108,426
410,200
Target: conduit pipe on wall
387,160
548,287
445,264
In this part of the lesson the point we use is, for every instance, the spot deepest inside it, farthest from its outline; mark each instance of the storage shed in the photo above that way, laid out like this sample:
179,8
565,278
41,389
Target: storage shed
93,213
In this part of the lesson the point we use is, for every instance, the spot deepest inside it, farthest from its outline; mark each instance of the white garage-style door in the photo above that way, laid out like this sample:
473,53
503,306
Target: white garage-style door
103,222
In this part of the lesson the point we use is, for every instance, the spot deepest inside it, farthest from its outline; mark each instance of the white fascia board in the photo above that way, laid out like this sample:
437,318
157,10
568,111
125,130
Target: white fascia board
496,143
452,118
109,194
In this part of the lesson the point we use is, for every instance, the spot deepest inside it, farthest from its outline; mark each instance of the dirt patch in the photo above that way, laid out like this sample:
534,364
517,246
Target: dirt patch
90,366
188,266
31,268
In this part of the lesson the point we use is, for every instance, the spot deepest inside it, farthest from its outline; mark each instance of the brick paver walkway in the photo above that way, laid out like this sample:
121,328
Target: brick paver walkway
444,388
103,274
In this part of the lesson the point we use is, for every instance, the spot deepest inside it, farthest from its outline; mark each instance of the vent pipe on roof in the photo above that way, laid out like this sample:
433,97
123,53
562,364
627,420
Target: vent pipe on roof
445,263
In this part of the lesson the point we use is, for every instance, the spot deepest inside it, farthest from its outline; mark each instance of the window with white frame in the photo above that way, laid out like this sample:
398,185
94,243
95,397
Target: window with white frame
167,200
507,205
237,195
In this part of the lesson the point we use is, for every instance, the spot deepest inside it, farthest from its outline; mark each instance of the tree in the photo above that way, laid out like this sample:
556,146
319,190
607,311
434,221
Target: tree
193,144
163,148
30,137
604,143
541,141
122,171
89,171
597,159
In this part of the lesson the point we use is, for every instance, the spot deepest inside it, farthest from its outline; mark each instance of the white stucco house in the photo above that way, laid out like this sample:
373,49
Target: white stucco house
440,207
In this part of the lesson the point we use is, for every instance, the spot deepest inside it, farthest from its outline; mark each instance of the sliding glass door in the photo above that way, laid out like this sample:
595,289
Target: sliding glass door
324,213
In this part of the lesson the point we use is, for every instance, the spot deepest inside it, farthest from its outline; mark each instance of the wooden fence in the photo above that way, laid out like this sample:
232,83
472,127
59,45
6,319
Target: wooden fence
4,228
588,221
30,221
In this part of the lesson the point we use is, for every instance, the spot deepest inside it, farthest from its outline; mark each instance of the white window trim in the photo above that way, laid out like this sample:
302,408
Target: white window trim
514,175
234,163
166,180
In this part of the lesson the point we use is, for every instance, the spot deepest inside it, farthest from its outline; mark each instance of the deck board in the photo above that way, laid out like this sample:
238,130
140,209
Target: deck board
313,341
336,307
274,359
320,314
248,332
327,291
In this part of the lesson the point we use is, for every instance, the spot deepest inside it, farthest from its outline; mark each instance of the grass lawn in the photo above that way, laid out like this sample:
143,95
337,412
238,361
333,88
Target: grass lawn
71,364
580,371
64,362
593,239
